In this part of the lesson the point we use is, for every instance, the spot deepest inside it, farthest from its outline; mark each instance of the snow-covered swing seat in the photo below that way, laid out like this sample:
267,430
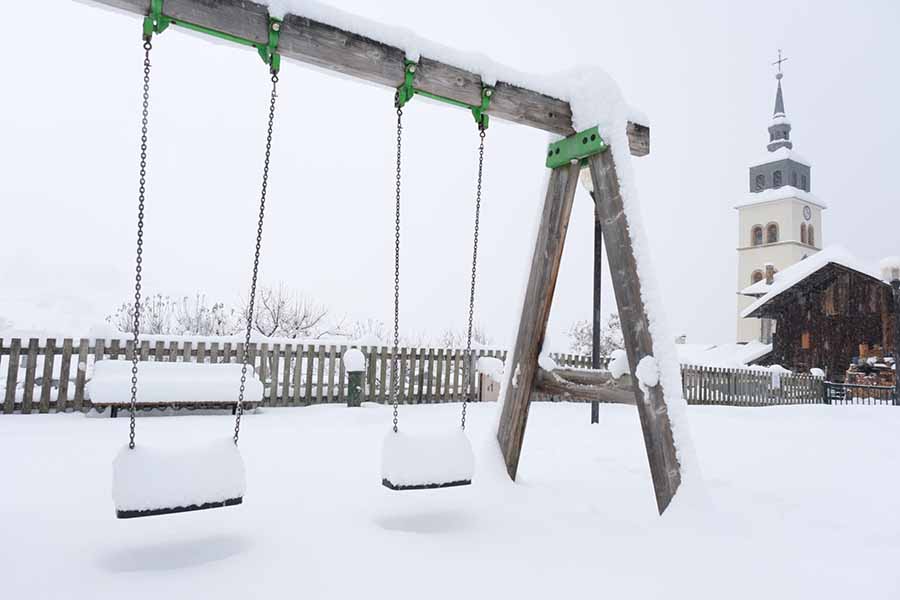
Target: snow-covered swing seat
417,461
150,481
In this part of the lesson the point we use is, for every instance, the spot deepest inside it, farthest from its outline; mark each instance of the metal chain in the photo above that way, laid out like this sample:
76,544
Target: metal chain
394,393
239,412
468,363
136,324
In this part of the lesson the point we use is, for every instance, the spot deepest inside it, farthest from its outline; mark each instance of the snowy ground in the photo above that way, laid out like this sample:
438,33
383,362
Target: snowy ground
806,507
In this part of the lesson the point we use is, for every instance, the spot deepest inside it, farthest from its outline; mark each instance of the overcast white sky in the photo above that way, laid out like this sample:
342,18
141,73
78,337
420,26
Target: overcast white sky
69,117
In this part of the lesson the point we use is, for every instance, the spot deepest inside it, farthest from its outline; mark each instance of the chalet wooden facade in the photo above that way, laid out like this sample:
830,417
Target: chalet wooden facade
825,318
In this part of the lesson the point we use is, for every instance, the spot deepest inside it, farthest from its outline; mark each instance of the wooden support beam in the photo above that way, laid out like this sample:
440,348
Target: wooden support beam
334,49
658,439
597,318
579,385
535,311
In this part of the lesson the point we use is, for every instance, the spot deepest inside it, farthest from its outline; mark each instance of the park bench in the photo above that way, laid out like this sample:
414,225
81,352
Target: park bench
178,386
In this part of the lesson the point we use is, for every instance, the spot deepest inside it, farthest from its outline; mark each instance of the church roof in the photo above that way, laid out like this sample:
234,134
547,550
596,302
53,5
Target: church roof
782,193
791,276
780,154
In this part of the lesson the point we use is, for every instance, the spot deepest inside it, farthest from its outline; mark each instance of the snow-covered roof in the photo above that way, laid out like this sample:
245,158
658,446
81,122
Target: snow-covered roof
780,154
782,193
791,276
721,355
780,120
760,288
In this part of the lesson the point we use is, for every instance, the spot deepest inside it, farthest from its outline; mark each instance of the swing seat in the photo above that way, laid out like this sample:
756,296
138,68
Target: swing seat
149,481
420,462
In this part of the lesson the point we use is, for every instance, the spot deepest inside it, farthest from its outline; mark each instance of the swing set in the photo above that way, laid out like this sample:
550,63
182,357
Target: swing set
406,457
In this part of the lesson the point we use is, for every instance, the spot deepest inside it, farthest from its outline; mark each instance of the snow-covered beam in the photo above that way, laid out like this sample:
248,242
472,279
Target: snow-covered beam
582,385
335,49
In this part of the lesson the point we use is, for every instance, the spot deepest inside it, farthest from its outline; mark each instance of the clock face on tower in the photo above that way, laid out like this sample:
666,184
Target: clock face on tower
807,213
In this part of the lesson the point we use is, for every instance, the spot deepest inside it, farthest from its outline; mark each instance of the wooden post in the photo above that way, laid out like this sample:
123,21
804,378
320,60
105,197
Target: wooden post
658,440
896,288
12,376
535,311
597,322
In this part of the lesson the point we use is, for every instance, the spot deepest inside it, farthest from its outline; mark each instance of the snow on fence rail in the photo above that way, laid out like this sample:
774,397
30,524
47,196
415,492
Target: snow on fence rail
51,376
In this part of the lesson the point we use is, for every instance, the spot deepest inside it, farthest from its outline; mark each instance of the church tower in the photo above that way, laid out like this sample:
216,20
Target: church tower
780,221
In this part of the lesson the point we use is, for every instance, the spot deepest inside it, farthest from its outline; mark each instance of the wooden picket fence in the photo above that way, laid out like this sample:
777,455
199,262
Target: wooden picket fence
48,375
746,387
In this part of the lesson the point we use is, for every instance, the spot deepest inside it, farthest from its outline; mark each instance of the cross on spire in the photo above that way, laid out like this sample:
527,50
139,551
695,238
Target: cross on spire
778,62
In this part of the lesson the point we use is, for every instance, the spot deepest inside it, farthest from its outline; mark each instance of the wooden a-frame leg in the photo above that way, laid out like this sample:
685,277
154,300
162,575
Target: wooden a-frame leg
658,440
535,312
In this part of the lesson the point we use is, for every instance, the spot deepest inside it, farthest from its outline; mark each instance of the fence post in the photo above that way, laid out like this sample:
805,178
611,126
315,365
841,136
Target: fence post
895,285
355,364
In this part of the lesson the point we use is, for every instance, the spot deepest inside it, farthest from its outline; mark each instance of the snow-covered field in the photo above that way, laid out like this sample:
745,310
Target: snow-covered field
805,507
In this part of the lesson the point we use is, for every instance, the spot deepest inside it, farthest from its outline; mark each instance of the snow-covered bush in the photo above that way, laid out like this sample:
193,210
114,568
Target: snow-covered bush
581,335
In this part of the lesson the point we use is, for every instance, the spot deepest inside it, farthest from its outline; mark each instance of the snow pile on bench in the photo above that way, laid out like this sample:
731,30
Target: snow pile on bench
148,478
172,383
427,459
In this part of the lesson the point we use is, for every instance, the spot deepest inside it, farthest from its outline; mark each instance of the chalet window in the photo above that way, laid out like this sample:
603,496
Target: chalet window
776,179
804,183
771,233
756,235
811,236
760,182
756,277
794,178
803,237
805,341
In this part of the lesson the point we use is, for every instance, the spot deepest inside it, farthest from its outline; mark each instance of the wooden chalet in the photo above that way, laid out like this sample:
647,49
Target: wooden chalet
825,312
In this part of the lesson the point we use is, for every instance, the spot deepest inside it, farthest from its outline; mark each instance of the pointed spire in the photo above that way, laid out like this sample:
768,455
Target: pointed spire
780,129
779,98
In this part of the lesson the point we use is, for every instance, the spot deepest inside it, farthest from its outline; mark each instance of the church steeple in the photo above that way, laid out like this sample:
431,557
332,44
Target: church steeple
780,166
780,129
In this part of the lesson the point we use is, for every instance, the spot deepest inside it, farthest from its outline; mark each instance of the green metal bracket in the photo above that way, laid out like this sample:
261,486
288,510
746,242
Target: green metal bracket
157,22
575,147
480,112
407,90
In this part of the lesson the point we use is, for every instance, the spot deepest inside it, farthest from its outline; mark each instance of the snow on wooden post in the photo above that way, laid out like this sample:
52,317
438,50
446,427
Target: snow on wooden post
658,438
355,365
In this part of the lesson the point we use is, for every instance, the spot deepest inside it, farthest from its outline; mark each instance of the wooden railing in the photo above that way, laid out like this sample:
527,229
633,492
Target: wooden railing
50,375
747,387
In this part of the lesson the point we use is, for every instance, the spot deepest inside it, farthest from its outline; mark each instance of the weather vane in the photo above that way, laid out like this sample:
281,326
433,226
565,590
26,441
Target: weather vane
778,62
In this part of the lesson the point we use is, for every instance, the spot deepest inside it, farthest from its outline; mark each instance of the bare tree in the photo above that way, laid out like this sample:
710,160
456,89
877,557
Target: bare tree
156,318
581,336
194,317
283,313
370,330
456,338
